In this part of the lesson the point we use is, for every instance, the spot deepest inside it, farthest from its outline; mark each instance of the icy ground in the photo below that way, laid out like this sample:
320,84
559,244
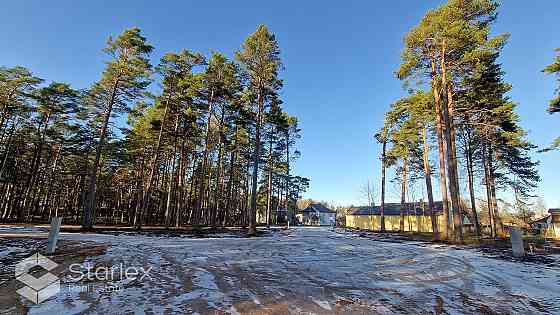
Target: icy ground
304,270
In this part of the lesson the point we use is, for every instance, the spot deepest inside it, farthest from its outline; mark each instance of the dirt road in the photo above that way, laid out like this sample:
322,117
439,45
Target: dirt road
302,270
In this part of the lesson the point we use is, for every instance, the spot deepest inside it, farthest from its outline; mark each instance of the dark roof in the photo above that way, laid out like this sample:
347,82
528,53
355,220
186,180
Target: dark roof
317,207
554,211
540,220
395,209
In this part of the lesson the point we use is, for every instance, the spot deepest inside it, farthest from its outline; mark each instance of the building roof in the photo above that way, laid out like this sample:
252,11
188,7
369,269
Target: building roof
554,211
395,209
317,207
540,220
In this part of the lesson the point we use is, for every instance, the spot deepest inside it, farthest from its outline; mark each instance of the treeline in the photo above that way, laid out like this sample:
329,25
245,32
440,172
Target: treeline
458,105
117,153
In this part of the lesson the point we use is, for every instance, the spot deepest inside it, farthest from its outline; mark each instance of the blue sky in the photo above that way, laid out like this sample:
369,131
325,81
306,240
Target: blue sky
339,62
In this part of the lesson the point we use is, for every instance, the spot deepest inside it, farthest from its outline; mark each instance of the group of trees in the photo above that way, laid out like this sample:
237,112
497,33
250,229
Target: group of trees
458,97
119,153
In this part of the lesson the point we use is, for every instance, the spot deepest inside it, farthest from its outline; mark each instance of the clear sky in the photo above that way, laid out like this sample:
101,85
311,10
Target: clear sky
339,61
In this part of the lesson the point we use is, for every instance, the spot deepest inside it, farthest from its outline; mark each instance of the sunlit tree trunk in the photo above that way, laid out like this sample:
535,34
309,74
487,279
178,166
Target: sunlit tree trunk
90,203
203,169
428,179
138,219
404,186
451,155
441,152
255,175
469,158
383,168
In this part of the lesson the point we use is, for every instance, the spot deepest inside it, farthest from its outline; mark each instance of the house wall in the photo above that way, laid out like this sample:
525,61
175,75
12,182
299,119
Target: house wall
324,218
553,230
327,218
392,222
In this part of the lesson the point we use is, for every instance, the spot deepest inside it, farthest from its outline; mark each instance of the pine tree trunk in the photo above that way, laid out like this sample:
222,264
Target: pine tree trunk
488,192
286,200
451,157
139,218
497,222
30,184
231,178
404,185
383,167
469,157
203,173
171,177
90,204
255,175
51,177
180,188
457,213
247,200
441,153
218,194
269,182
428,179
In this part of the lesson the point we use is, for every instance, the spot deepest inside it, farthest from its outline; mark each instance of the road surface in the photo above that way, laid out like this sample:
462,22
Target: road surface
301,270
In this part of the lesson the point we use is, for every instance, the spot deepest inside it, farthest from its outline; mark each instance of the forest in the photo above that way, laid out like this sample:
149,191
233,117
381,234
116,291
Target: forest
181,142
458,106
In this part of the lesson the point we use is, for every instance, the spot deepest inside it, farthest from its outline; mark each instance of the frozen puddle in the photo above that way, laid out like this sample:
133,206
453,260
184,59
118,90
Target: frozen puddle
304,270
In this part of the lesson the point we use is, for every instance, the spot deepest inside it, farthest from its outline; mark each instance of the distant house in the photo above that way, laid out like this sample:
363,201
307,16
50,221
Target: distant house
549,225
541,224
417,217
316,214
555,223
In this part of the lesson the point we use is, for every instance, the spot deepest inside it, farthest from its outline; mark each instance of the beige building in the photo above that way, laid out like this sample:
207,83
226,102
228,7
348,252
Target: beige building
548,226
417,217
555,226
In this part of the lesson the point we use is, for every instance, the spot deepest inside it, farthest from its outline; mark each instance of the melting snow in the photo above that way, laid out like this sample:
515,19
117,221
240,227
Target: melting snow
306,270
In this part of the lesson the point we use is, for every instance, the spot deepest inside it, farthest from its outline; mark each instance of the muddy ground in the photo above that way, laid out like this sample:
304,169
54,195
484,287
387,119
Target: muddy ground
296,271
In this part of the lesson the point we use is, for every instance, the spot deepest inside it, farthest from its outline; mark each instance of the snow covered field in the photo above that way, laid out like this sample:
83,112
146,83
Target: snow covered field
302,270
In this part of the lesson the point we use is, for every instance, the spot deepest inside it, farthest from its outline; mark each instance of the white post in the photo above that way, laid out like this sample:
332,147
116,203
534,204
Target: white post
517,243
53,234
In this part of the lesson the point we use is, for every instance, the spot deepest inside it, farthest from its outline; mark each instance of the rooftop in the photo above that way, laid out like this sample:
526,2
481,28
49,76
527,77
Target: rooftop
540,220
395,209
317,207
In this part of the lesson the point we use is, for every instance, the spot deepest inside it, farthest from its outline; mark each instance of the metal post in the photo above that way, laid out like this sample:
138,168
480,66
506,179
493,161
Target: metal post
53,234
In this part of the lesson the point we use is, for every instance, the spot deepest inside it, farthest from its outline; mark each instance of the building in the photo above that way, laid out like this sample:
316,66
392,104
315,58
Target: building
316,214
417,217
554,228
540,225
549,225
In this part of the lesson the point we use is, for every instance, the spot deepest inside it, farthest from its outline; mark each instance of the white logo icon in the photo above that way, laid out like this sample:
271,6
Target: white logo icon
37,289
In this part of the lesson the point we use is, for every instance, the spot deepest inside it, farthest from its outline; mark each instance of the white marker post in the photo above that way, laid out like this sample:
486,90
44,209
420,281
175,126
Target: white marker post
53,234
517,243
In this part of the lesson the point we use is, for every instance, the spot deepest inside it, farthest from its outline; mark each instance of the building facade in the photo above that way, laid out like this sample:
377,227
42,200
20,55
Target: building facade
417,217
316,214
548,226
553,230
